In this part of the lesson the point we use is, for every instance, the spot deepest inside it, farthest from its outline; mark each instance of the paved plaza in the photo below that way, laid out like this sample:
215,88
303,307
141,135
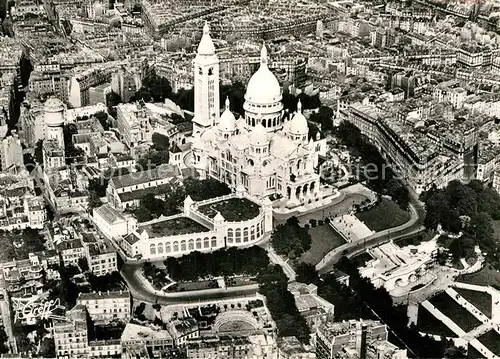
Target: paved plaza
351,228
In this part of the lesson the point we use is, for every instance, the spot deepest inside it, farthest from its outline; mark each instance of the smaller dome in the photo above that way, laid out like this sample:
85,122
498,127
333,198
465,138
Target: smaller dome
298,125
258,136
206,46
227,120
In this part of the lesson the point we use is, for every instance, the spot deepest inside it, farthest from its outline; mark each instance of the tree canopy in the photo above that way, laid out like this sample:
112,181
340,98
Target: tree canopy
222,262
291,239
151,206
450,207
379,176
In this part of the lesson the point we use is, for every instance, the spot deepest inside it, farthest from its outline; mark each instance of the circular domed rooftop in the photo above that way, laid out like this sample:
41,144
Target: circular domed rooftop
258,136
54,109
298,125
263,87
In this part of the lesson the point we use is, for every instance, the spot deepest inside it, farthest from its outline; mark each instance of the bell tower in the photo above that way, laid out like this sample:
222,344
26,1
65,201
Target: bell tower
206,84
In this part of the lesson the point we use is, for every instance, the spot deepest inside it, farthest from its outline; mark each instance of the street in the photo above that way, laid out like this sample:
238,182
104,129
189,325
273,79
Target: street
141,291
412,227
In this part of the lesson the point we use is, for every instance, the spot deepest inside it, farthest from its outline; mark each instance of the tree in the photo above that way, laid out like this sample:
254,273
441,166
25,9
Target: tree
324,117
103,119
99,185
83,264
306,273
290,239
39,152
142,214
113,99
160,142
94,200
154,88
4,349
140,309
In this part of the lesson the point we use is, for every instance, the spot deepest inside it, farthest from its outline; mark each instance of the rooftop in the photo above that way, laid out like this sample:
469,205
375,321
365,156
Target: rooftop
160,172
109,214
103,295
233,209
172,227
139,333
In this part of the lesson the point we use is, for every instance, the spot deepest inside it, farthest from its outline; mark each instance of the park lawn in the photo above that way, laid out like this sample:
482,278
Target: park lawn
387,214
491,340
449,307
486,276
480,300
429,324
323,239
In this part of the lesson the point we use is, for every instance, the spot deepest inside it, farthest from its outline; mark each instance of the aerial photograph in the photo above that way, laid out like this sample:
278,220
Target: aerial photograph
250,179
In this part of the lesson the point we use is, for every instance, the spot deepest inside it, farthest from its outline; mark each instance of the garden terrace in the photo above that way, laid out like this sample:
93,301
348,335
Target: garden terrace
173,226
449,307
233,209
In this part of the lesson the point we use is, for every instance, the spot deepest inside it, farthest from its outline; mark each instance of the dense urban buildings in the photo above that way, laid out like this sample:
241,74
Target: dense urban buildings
248,179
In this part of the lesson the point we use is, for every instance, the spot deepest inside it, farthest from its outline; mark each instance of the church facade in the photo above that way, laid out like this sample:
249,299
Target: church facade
266,151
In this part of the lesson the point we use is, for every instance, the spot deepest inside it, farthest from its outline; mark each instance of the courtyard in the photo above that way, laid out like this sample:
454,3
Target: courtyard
233,209
175,226
387,214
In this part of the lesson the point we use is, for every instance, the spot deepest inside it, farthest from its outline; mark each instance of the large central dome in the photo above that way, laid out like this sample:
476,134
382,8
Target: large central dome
263,87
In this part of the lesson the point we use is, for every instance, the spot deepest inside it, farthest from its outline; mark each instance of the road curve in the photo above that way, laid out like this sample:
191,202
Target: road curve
141,290
413,226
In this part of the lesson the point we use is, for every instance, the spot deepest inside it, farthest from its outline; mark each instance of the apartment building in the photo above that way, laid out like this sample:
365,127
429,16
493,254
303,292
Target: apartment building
332,338
106,306
133,124
25,280
12,152
101,256
251,347
474,56
422,158
70,336
126,191
71,251
450,91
